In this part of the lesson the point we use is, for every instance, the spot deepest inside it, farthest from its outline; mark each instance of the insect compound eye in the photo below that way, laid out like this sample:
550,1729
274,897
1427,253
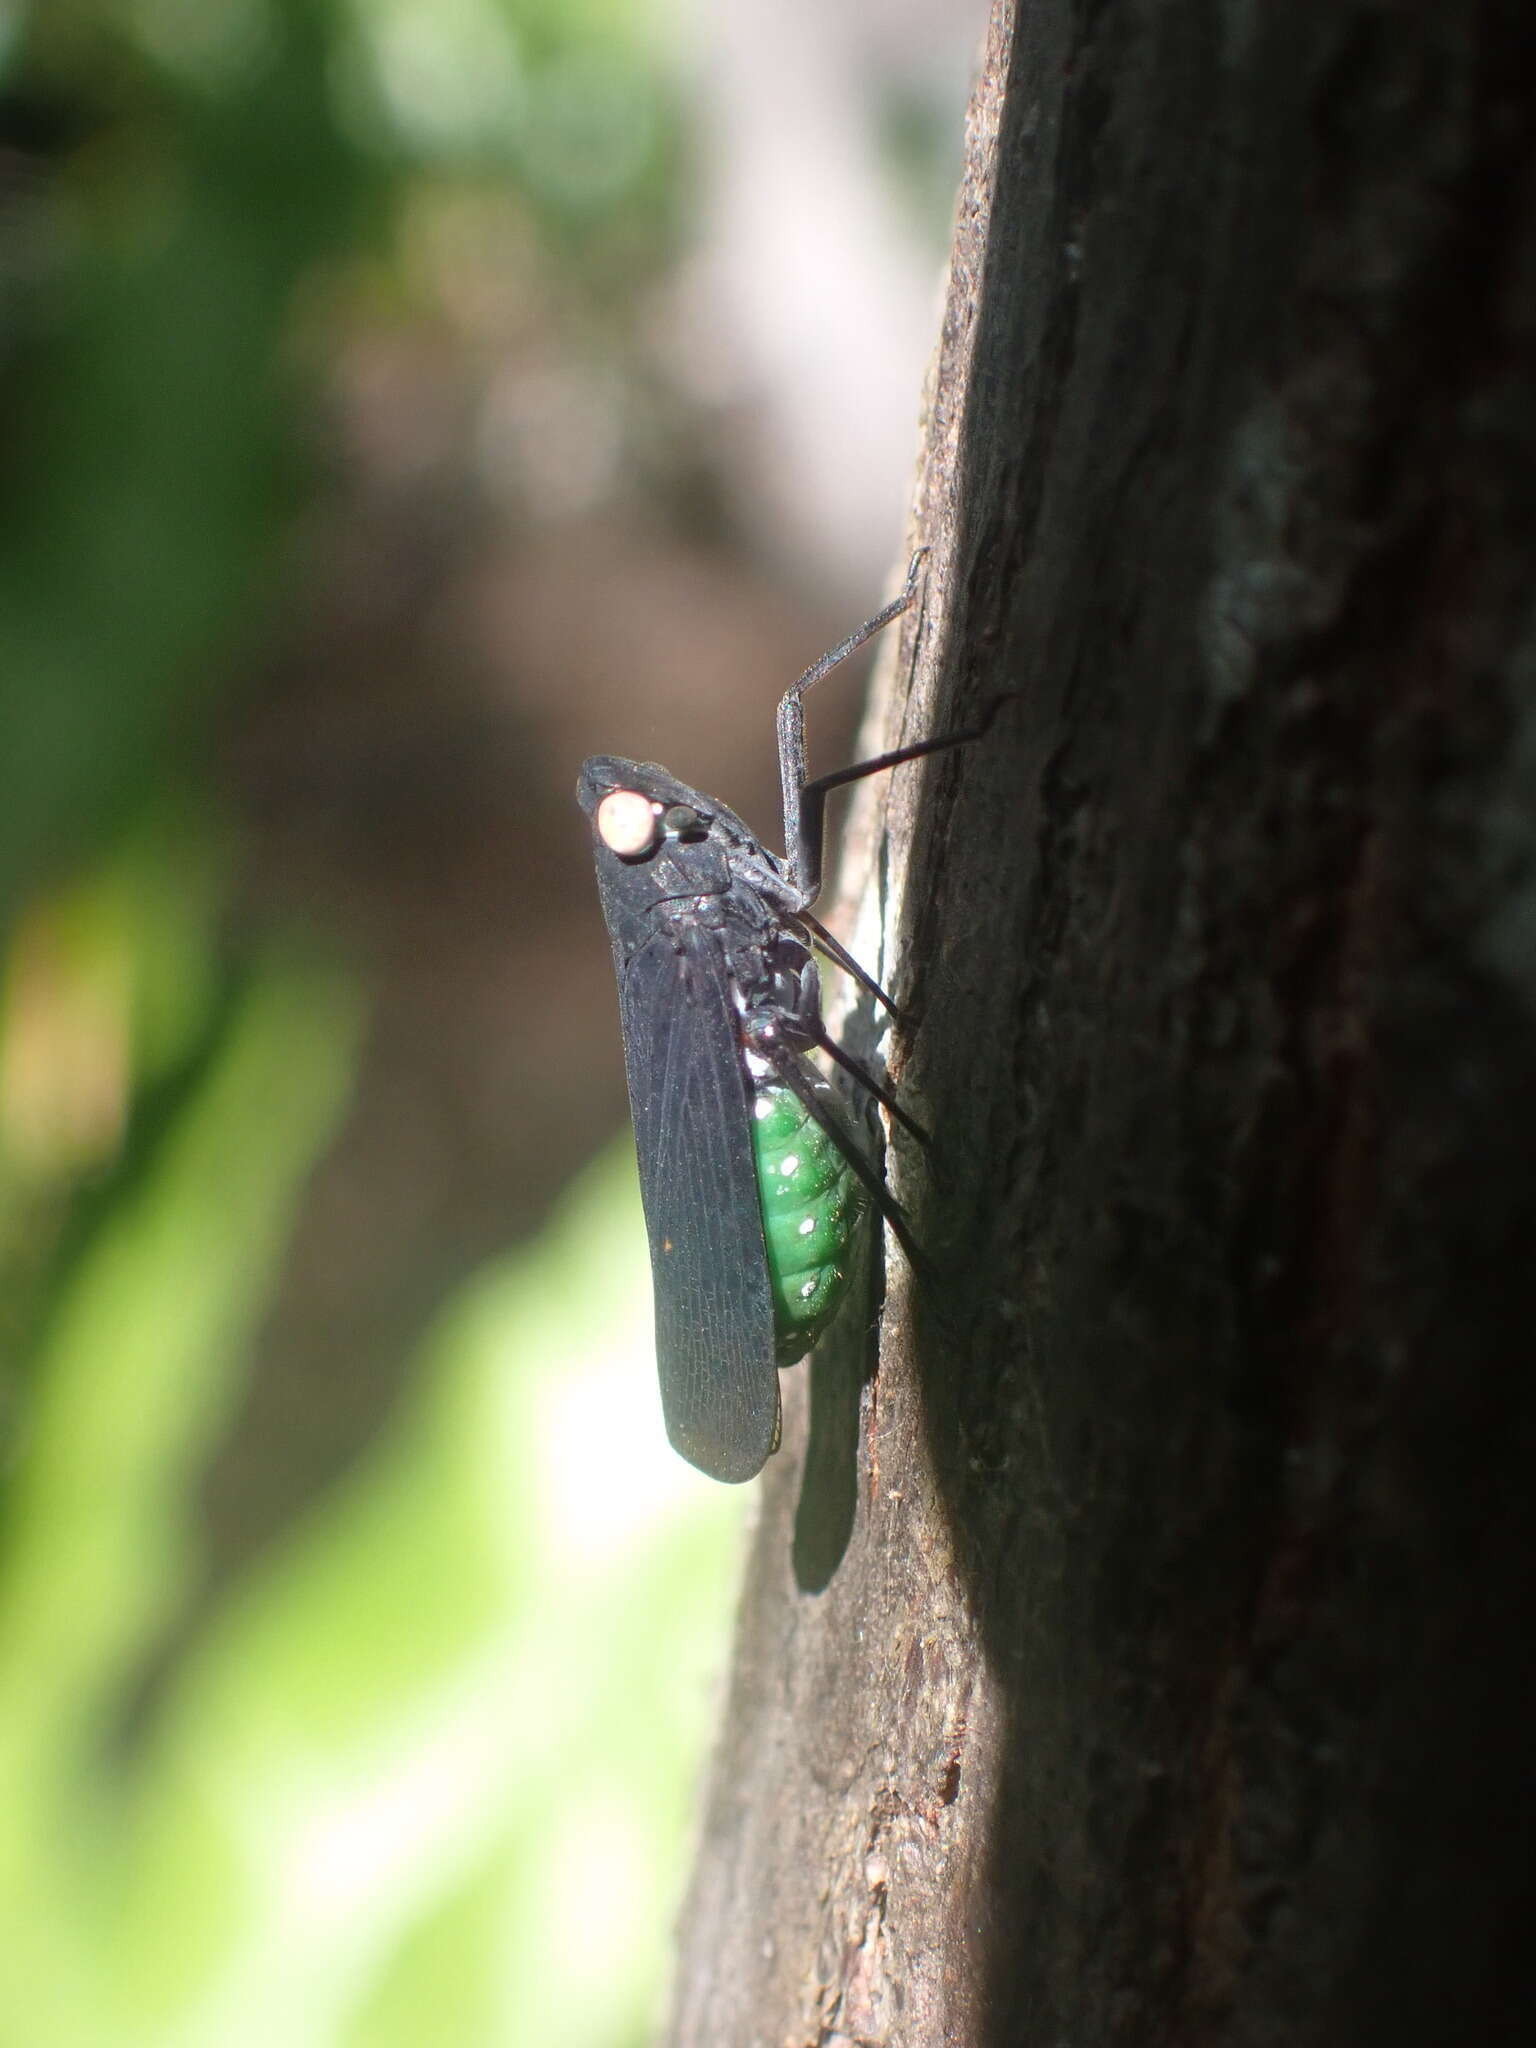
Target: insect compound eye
682,821
629,824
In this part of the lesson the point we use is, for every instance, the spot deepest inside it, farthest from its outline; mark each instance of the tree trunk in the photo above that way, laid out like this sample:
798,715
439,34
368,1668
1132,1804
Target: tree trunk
1142,1655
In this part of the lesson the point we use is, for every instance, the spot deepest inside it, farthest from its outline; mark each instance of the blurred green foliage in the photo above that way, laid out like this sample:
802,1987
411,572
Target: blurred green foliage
201,169
425,1776
428,1776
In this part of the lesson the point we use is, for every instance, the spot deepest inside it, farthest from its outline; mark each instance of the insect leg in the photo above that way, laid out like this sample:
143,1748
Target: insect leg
795,1020
802,846
865,1079
811,798
835,950
803,1083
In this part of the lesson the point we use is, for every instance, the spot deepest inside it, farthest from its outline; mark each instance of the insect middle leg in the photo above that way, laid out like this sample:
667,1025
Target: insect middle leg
796,1022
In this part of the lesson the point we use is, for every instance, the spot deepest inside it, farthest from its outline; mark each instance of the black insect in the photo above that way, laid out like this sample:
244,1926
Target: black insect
754,1186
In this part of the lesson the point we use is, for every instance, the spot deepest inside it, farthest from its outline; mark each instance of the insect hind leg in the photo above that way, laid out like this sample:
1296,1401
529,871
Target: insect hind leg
789,1068
794,1021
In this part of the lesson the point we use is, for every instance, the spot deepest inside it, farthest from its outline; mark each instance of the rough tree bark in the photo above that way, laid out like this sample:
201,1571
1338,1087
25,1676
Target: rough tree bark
1141,1656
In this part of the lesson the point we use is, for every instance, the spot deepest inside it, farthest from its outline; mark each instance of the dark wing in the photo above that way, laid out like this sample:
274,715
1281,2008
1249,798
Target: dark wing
709,1269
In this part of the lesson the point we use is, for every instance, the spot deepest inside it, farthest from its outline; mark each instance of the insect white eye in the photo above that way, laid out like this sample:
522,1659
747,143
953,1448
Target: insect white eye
628,823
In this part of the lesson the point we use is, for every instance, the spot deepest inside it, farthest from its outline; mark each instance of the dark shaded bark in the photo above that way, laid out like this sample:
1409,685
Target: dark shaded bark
1173,1682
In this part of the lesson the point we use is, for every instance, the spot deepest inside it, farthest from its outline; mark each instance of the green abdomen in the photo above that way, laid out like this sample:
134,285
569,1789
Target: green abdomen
812,1206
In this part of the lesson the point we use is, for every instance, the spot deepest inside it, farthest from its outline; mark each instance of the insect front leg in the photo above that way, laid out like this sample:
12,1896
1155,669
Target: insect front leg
805,802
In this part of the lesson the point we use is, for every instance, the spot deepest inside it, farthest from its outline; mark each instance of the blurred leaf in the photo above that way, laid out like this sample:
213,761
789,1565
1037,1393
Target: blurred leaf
138,1368
146,470
452,1728
449,1728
